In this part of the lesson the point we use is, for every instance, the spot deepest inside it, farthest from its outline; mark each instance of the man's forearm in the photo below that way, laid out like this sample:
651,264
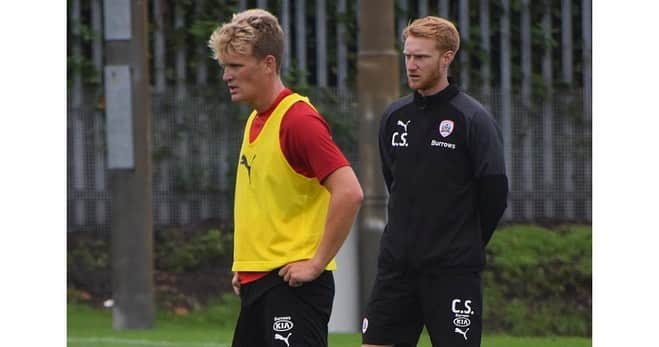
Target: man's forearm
345,200
493,201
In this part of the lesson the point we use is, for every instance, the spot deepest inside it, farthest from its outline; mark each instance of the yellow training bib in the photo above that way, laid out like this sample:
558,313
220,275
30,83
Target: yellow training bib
279,215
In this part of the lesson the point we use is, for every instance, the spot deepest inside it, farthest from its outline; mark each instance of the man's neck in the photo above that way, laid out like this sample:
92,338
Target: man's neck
269,96
443,83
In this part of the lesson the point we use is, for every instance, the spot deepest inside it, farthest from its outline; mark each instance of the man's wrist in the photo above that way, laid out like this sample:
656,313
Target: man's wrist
317,264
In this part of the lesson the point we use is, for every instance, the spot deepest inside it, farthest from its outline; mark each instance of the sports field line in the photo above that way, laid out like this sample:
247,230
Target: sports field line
114,340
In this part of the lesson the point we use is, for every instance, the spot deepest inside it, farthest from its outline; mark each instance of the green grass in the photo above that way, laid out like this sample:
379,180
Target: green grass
214,328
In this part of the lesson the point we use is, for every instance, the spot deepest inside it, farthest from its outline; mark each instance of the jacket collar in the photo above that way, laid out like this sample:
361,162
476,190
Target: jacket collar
440,97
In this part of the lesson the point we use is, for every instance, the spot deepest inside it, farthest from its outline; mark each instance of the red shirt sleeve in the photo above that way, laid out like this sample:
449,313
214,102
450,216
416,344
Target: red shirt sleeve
307,143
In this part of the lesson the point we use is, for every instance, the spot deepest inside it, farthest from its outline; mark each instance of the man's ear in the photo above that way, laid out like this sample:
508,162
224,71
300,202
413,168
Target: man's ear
270,63
447,57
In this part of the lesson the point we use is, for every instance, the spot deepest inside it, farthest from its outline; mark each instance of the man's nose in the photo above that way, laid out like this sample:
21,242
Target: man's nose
410,64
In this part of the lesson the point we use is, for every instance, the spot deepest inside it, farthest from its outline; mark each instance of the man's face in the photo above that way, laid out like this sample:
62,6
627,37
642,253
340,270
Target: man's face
244,75
422,63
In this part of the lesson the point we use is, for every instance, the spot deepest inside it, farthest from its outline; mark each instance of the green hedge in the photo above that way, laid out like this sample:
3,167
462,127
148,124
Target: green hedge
177,251
191,267
538,281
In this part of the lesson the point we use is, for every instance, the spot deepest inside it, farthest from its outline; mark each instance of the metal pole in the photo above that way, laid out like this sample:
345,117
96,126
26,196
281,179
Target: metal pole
128,117
506,97
378,85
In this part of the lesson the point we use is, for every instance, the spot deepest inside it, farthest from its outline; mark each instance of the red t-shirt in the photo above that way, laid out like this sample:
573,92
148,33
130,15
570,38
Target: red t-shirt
307,145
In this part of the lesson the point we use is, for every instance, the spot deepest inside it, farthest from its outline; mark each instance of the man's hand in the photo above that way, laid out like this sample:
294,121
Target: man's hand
301,271
235,283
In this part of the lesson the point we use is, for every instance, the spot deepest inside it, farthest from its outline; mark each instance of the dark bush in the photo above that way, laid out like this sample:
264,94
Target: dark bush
539,281
88,263
191,266
177,251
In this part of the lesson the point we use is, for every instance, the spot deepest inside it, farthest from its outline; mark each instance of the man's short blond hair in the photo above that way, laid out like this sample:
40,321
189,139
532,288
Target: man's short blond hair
436,28
256,32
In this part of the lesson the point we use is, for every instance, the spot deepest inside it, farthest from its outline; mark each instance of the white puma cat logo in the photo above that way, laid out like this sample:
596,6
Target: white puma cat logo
285,339
404,125
463,333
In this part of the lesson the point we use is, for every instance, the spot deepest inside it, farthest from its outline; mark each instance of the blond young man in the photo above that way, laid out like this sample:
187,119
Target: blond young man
443,165
296,194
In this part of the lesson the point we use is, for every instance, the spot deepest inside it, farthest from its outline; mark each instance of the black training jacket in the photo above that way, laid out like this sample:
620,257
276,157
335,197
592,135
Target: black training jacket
442,160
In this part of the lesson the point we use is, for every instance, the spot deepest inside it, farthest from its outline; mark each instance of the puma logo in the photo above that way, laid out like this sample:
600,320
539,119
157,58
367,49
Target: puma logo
463,333
243,161
285,339
404,125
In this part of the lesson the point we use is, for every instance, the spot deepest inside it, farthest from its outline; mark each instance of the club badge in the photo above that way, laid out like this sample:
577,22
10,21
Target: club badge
446,128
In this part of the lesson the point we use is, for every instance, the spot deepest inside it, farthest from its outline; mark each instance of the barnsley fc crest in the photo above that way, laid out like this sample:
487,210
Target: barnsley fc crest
446,128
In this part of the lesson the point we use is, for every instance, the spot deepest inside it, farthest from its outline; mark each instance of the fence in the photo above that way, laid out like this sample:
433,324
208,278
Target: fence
506,46
196,139
537,43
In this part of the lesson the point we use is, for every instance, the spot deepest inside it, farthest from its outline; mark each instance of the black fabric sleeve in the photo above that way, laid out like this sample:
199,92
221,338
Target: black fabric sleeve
486,149
493,194
385,156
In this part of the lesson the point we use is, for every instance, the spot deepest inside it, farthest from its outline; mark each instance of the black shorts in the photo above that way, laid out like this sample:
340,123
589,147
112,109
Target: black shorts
274,314
449,305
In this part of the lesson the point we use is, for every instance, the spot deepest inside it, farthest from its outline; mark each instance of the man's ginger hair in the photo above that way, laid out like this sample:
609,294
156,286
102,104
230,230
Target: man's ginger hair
442,31
256,32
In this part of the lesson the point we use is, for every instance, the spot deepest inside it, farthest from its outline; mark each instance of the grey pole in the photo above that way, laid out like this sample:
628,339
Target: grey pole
506,97
128,124
528,157
378,85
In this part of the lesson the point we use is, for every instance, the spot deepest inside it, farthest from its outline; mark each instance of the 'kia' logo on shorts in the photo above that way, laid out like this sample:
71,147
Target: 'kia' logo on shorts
462,322
282,325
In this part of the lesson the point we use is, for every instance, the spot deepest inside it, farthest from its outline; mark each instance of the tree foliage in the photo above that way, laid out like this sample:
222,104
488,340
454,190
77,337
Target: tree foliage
201,21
